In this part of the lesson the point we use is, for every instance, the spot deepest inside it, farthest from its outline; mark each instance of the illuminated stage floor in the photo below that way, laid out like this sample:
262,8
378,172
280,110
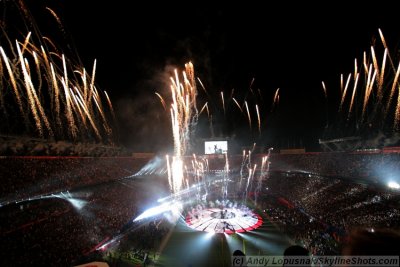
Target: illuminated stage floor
227,220
190,246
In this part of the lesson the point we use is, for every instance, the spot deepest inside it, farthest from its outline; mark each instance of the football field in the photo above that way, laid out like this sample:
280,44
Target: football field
186,247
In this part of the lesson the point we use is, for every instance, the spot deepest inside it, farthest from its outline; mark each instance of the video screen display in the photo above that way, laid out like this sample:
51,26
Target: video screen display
215,147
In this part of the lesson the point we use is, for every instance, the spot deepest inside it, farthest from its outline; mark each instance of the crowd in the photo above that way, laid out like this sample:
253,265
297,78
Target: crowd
141,245
59,232
28,177
372,166
318,212
21,146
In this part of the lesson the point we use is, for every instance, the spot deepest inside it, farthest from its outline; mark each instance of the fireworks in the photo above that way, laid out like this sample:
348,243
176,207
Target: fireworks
375,84
56,98
184,116
276,99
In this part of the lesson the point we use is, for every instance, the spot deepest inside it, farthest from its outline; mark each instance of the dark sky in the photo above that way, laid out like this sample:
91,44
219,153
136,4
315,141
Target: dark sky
288,46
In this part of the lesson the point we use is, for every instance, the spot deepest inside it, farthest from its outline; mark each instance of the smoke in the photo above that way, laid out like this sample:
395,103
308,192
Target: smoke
157,165
382,140
144,123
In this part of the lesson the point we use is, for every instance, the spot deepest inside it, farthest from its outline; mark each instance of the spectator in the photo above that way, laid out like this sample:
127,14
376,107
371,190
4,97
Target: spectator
296,252
384,242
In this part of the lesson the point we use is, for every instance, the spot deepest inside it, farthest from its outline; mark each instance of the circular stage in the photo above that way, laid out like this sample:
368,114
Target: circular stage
223,220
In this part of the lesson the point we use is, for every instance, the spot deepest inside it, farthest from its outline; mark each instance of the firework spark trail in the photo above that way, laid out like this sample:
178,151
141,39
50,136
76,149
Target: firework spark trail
2,101
249,183
26,42
368,89
225,178
208,113
186,174
48,40
276,99
244,158
264,171
201,84
41,110
365,64
162,101
184,116
252,81
99,106
85,109
341,83
381,79
69,116
111,109
223,101
248,113
76,106
110,105
56,17
241,110
375,61
394,85
27,82
324,88
205,186
12,79
260,177
379,74
397,112
195,168
378,105
355,68
258,119
203,108
38,71
91,88
198,170
232,92
259,93
352,96
169,172
386,47
191,83
254,147
246,163
45,58
344,92
85,85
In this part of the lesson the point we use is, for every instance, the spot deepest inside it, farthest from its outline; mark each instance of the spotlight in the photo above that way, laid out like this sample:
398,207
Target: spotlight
393,185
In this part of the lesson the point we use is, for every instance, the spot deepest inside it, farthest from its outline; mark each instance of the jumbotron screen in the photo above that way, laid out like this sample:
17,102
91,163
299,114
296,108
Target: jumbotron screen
215,147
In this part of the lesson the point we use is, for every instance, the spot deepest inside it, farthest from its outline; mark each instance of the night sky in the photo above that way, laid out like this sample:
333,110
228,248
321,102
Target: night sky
288,46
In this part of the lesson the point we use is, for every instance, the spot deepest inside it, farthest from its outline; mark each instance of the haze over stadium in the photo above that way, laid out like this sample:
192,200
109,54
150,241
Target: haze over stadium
165,140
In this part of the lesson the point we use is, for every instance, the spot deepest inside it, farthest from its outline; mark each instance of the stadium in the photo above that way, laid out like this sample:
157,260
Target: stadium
93,215
188,176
